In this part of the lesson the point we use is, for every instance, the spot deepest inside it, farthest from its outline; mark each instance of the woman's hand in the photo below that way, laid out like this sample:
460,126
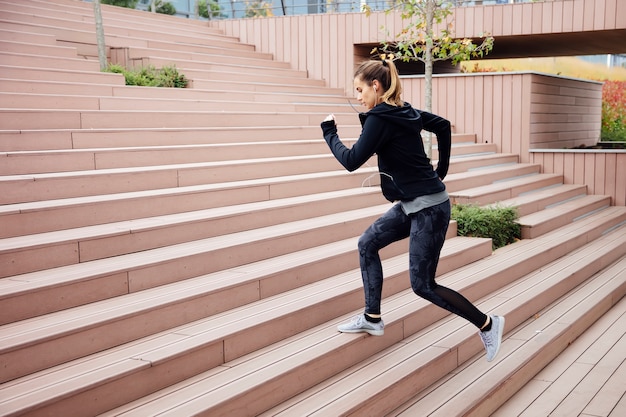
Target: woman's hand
330,117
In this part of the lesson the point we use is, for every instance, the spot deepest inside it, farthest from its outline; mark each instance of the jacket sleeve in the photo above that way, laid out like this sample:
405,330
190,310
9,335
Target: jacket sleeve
442,130
367,144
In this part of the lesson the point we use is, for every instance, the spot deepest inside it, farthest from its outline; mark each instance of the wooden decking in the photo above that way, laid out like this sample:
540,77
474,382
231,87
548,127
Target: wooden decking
191,251
587,379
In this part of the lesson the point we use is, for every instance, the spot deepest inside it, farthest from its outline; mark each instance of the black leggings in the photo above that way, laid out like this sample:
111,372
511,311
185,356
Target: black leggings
427,231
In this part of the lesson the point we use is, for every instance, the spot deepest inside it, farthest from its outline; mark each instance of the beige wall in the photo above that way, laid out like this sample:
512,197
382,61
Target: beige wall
603,172
517,111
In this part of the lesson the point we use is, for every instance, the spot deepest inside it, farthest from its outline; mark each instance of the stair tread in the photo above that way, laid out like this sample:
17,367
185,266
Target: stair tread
541,198
151,223
603,339
215,387
40,328
232,322
556,240
501,185
160,255
166,190
562,209
459,393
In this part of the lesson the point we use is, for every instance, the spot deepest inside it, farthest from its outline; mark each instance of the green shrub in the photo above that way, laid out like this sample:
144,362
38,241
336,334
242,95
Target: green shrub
131,4
165,7
150,76
209,9
497,223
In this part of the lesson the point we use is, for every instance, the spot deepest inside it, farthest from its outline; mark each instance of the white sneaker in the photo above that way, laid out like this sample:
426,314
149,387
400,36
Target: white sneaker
359,324
493,338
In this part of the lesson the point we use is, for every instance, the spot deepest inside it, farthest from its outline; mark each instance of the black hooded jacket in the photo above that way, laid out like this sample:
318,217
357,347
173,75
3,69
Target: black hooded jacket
393,133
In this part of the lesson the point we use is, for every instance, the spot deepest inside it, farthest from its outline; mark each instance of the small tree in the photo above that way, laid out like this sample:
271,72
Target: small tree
102,53
421,41
259,8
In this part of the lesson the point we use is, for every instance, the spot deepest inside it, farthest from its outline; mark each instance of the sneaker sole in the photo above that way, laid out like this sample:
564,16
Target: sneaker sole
372,332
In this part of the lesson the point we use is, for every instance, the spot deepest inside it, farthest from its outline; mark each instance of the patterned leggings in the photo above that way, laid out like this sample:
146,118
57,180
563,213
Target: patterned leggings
427,231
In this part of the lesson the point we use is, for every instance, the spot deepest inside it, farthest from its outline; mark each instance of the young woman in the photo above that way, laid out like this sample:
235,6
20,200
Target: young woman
391,129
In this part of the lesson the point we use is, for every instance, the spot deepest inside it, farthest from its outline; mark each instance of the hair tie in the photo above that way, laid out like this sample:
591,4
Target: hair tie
385,63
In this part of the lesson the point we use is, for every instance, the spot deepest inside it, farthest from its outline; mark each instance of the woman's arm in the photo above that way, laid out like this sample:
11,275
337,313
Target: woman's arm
361,151
441,128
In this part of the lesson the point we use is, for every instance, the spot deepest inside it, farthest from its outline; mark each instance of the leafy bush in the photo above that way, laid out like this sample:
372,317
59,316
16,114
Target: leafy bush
131,4
209,9
613,111
165,7
151,77
497,223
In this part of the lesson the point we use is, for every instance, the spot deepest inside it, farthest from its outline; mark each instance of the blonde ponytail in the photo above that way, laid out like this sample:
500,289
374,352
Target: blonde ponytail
393,94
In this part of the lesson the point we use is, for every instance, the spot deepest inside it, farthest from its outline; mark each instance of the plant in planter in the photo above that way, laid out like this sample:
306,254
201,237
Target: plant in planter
497,223
150,76
614,111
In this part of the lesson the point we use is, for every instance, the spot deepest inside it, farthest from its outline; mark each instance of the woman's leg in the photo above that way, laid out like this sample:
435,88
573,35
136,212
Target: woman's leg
392,226
428,233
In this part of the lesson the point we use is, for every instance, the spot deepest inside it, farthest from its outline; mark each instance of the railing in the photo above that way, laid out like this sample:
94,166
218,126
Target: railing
238,9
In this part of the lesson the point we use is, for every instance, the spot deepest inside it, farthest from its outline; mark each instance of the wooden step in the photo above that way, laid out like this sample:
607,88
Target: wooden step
39,187
63,139
63,35
537,200
51,215
591,357
107,87
560,214
37,49
261,380
225,49
47,161
216,91
46,75
25,162
504,188
45,61
101,119
82,102
241,74
151,268
288,314
48,101
35,252
28,37
185,59
487,175
461,148
138,30
207,84
478,389
398,373
24,188
467,163
81,11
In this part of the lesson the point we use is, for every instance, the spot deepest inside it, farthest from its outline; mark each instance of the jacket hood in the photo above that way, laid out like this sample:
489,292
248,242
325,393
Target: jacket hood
405,117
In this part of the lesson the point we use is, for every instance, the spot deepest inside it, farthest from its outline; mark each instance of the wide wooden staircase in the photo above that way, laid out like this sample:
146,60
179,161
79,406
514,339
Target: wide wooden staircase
190,251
